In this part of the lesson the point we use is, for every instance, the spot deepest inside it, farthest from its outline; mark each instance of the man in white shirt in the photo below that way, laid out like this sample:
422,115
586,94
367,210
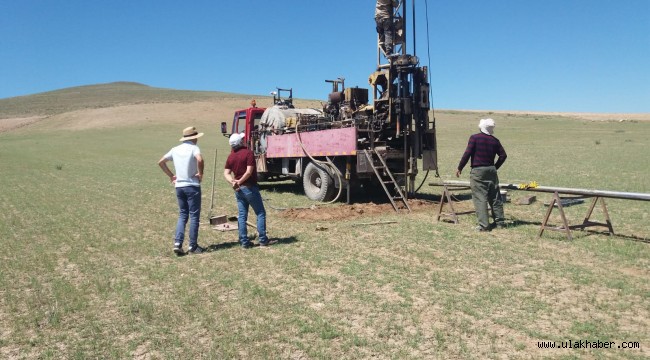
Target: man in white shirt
188,165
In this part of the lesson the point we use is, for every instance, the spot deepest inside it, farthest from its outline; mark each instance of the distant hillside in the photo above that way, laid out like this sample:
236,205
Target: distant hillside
99,96
30,108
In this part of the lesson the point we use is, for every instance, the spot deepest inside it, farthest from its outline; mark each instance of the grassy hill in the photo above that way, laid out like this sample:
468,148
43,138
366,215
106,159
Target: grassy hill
122,93
100,96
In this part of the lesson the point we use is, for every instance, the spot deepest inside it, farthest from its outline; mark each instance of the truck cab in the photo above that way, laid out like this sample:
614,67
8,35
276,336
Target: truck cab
245,121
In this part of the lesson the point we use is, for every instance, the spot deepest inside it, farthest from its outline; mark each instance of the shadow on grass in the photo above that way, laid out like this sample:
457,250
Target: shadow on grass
285,240
519,222
454,197
621,236
580,233
282,187
222,246
231,244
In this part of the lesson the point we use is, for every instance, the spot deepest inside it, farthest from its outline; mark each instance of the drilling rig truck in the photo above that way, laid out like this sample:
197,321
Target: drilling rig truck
350,142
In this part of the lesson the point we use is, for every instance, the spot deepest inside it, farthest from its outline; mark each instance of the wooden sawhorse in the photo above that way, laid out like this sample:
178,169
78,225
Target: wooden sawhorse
446,195
557,200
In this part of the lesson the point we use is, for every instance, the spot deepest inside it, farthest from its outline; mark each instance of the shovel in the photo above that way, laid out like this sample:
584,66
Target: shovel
214,220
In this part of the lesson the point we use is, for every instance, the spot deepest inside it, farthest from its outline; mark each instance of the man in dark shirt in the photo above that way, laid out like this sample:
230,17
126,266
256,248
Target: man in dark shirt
241,172
483,179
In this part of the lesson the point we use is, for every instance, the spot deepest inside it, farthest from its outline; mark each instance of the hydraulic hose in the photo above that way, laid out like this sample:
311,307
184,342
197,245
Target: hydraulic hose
328,164
422,183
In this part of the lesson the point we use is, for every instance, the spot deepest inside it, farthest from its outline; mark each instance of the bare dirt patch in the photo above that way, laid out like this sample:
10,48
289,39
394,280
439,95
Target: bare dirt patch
15,123
141,114
199,113
351,211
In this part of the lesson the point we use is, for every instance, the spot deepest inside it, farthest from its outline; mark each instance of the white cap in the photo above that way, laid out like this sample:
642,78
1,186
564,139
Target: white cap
236,140
486,126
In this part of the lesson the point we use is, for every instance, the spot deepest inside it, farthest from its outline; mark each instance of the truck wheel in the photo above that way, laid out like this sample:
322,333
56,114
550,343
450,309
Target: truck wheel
317,182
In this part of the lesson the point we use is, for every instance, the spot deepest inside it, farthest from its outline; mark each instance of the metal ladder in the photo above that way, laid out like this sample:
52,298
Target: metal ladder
387,181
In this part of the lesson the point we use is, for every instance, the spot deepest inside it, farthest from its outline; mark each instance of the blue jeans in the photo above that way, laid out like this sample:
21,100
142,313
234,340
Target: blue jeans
189,205
250,196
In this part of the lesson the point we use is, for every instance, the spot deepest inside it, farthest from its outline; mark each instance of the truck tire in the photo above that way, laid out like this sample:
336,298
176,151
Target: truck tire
318,183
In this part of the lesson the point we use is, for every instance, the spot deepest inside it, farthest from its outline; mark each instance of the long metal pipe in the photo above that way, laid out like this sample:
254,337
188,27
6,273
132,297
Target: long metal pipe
403,28
560,190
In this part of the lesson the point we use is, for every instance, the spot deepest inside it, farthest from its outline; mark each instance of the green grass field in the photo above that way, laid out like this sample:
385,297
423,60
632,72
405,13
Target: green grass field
87,269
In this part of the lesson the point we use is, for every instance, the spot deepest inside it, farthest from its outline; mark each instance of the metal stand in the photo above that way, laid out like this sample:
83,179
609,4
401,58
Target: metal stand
446,195
557,200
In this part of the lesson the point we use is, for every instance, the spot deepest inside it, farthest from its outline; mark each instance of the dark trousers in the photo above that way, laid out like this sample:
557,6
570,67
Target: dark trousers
386,36
484,183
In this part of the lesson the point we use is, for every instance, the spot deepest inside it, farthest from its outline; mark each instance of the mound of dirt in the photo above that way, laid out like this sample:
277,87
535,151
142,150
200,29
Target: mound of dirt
337,212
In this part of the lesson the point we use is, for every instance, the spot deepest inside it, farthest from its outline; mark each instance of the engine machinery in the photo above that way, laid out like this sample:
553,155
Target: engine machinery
366,137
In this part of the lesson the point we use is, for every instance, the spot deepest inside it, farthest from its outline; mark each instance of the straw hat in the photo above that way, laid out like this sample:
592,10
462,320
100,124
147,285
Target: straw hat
190,133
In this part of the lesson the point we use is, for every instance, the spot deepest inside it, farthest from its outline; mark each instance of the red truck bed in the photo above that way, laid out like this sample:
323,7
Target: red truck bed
333,142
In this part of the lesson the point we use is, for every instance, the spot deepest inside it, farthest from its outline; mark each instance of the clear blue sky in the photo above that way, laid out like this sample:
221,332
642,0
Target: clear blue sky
550,55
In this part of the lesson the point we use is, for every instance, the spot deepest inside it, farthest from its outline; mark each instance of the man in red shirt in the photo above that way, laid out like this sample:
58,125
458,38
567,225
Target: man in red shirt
241,172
